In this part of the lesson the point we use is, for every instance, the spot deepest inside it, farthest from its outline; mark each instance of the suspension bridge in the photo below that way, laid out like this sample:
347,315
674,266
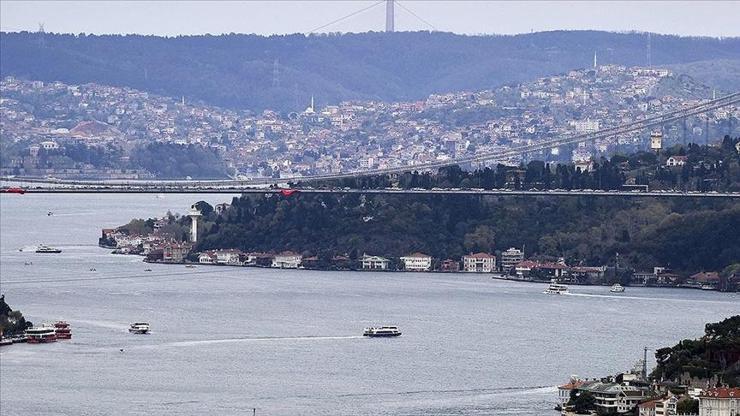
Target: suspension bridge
48,185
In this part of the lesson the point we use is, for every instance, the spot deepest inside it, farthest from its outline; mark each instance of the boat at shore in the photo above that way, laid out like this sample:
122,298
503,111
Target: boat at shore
63,330
41,334
47,250
617,288
382,331
5,341
556,288
139,328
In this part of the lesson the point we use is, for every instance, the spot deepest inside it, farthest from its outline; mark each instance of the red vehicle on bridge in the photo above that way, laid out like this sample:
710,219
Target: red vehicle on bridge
14,190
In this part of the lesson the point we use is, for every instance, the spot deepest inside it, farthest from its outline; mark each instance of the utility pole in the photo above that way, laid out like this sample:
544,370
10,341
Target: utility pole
390,24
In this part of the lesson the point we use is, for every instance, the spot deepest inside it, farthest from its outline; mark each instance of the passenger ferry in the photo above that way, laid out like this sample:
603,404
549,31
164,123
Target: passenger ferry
383,331
46,249
41,334
556,288
139,328
63,330
617,288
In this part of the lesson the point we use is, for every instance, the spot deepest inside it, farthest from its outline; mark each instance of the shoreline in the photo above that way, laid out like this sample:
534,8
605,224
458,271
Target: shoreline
493,276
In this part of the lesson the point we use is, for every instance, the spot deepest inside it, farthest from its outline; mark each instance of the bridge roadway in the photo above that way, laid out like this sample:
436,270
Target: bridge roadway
387,191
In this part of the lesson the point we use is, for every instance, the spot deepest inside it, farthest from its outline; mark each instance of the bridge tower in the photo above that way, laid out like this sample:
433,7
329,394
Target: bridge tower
194,215
389,16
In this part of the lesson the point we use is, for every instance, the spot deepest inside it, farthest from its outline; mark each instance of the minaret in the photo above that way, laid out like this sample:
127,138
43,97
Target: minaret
313,109
194,215
594,59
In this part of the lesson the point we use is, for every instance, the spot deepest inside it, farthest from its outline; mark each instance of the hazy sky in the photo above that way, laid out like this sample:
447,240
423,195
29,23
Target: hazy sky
707,18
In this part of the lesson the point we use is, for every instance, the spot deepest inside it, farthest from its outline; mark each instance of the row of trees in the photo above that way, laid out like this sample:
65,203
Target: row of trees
707,168
685,235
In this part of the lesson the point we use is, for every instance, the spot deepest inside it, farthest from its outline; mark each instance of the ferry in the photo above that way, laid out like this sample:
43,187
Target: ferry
41,334
556,288
63,330
46,249
383,331
617,288
139,328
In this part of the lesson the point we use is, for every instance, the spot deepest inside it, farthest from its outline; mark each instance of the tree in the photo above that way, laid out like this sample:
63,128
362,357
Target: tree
482,239
583,402
687,406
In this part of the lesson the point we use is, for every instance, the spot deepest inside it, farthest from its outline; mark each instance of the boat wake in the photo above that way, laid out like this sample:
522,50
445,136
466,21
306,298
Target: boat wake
481,390
651,299
195,343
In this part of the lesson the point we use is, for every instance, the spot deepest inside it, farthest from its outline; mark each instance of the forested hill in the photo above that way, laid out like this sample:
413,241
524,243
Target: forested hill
282,72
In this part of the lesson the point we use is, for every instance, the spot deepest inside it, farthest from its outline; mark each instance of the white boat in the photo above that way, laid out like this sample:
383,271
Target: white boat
41,334
139,328
382,331
617,288
556,288
46,249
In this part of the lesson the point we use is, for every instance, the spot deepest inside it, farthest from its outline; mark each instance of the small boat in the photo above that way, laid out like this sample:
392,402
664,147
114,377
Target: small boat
41,334
46,249
63,330
190,266
49,214
5,341
556,288
382,331
147,270
707,287
617,288
19,339
92,269
139,328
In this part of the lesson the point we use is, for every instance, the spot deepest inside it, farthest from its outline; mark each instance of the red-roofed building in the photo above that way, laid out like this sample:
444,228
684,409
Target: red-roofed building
479,263
565,390
722,401
647,408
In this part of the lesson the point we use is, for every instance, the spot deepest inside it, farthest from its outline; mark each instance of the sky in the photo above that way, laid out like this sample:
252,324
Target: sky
171,18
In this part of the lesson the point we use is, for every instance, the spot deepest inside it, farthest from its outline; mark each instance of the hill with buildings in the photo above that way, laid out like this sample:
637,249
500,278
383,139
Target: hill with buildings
684,235
713,359
283,72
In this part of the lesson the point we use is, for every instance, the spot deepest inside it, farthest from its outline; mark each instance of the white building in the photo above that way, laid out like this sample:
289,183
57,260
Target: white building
676,161
479,263
510,258
586,126
417,262
230,257
208,257
722,401
287,260
374,263
49,145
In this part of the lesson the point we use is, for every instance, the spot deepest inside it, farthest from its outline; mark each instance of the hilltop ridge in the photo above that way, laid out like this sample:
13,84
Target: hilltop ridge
282,72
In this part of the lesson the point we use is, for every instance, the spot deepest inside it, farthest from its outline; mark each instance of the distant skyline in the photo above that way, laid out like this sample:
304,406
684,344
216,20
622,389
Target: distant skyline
172,18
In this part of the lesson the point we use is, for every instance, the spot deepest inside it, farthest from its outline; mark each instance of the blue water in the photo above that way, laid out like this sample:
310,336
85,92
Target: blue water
227,340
